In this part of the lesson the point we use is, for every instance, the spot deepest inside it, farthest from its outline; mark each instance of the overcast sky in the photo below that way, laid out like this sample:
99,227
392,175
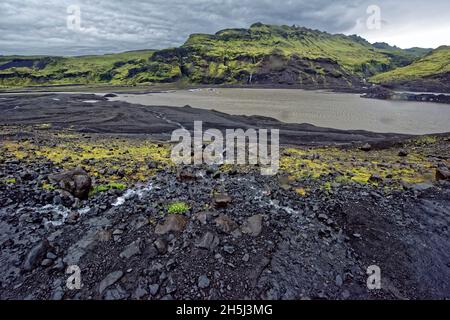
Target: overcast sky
40,26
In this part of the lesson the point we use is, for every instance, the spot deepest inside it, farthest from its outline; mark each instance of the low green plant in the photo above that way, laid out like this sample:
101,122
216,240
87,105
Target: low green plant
178,207
107,187
48,186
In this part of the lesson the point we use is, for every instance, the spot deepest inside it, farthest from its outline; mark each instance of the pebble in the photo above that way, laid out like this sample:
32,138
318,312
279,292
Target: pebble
161,245
36,254
154,288
208,241
253,225
173,223
109,280
46,262
339,280
131,250
203,282
228,249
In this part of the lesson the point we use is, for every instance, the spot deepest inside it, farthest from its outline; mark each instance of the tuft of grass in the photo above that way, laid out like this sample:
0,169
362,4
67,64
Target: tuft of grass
47,186
107,187
178,207
11,180
301,192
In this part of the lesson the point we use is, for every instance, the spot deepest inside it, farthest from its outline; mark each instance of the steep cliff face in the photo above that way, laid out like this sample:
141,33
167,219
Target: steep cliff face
260,55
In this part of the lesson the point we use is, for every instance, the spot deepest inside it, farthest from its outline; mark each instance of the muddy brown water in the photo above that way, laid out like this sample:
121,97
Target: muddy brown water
320,108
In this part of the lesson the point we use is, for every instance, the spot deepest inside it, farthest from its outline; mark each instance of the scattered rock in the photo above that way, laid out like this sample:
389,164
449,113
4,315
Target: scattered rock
203,217
246,257
378,92
46,262
35,256
171,287
138,223
161,245
403,153
422,186
57,294
116,294
339,281
173,223
221,200
208,241
117,232
186,174
229,249
131,250
225,224
285,182
109,280
76,181
110,95
346,294
139,293
203,282
154,288
375,178
442,174
51,256
253,225
58,265
103,235
236,233
367,147
73,217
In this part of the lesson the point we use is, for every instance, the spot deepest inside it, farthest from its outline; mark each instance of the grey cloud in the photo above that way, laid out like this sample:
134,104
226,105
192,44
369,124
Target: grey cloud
39,26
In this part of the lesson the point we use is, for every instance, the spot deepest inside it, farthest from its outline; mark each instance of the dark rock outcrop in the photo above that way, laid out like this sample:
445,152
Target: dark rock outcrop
36,255
76,181
384,93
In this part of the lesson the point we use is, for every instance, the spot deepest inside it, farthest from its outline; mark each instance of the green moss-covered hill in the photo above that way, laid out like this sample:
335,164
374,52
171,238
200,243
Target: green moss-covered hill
262,54
429,73
48,70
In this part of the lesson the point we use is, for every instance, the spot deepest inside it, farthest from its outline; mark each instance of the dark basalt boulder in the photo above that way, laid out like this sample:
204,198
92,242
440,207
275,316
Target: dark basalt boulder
110,95
378,92
36,255
383,93
76,181
442,174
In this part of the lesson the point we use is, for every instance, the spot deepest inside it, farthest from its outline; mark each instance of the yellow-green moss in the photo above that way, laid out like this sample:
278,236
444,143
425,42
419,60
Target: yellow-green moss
11,180
47,186
128,156
356,166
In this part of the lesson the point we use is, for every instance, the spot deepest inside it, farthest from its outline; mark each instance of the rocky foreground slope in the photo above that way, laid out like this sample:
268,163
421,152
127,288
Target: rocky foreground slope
139,227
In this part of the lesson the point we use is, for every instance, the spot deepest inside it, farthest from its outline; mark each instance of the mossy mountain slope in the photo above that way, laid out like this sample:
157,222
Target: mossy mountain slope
429,73
262,54
50,70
